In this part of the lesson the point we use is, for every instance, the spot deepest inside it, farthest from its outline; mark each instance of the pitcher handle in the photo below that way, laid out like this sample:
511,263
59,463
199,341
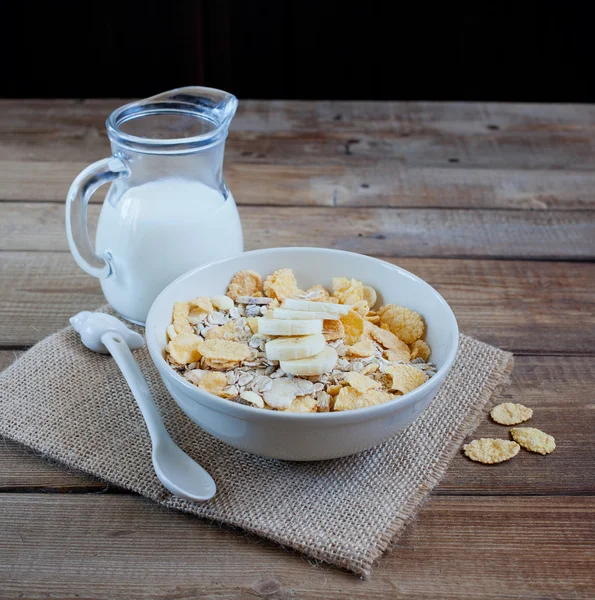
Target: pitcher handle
79,194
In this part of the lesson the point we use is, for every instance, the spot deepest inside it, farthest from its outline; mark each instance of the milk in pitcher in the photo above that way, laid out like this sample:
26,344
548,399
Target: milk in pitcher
157,231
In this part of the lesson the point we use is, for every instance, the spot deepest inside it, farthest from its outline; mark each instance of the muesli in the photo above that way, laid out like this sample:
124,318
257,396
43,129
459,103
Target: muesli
271,345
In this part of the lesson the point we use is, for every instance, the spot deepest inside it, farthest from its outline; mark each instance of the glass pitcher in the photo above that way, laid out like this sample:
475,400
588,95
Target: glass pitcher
168,208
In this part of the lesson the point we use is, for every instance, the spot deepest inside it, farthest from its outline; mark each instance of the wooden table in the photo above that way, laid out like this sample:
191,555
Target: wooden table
493,204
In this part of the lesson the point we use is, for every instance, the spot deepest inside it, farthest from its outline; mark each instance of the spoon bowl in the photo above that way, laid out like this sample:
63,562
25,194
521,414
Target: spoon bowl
179,473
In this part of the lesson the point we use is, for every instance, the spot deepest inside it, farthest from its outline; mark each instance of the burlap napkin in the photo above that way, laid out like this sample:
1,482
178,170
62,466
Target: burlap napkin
73,405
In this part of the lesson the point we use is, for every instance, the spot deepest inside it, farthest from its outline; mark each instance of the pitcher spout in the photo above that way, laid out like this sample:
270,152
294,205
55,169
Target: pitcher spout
189,117
217,105
226,109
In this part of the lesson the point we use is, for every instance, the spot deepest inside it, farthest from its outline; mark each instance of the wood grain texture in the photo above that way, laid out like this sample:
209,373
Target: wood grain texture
366,182
378,231
110,547
430,133
449,189
559,389
522,306
408,154
24,470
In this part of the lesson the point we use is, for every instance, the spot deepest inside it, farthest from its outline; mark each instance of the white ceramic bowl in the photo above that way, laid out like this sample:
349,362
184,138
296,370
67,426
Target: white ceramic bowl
316,436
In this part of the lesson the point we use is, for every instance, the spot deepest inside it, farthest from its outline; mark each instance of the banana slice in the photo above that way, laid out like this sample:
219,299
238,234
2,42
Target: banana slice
285,313
289,327
292,348
314,365
327,307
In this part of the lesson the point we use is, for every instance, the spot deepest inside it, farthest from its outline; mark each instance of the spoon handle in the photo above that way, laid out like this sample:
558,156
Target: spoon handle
140,390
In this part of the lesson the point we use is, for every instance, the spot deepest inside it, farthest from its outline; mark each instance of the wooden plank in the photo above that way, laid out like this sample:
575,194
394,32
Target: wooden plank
370,183
414,133
410,117
493,134
342,115
127,548
41,291
523,306
559,389
381,232
23,470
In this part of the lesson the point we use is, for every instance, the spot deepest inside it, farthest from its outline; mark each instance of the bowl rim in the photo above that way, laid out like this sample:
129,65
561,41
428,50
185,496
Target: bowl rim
241,410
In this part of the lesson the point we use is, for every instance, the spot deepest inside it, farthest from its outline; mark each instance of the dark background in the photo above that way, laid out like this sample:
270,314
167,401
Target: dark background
305,49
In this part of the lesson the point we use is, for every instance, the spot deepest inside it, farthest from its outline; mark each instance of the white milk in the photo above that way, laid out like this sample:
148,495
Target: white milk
159,230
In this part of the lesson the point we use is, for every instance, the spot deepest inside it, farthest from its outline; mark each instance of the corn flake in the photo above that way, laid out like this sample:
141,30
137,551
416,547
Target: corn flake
347,291
252,322
199,309
360,382
201,303
219,332
245,283
225,350
185,348
396,356
318,293
361,307
349,398
509,413
180,318
213,382
378,396
533,439
419,349
218,364
333,390
370,368
362,349
389,340
406,324
302,404
405,378
281,285
353,324
332,330
182,325
490,451
180,310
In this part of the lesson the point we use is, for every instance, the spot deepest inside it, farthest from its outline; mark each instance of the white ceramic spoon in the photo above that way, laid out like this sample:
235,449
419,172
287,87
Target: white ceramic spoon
180,474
